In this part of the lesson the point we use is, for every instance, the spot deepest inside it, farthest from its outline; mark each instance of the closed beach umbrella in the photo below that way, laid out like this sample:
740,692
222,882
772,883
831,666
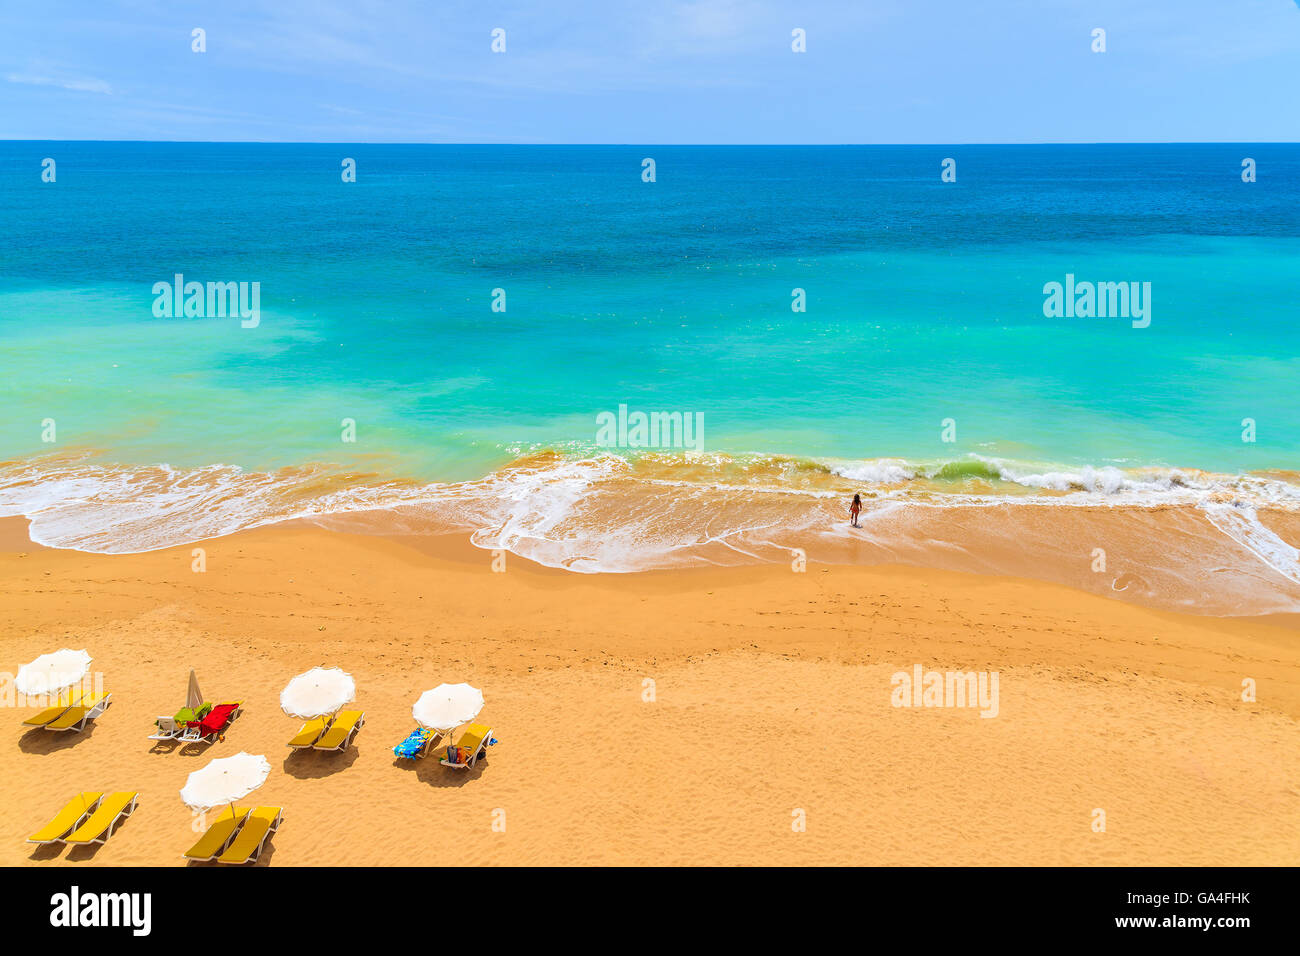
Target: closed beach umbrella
225,780
447,706
193,698
320,691
51,673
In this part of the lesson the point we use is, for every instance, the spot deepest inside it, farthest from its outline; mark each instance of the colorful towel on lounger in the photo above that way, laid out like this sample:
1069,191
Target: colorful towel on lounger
187,715
217,718
412,745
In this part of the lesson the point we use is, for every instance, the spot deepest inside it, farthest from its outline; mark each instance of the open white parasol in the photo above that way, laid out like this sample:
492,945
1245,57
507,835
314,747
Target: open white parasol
51,673
320,691
447,706
225,780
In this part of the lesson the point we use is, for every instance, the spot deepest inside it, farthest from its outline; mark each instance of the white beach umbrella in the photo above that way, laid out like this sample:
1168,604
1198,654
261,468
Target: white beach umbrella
193,696
51,673
320,691
447,706
225,780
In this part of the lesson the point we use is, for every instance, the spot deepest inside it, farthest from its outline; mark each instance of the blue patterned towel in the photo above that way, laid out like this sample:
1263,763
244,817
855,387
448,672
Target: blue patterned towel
411,746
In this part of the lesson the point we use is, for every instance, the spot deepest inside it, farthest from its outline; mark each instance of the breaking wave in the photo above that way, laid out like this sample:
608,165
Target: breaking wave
1180,538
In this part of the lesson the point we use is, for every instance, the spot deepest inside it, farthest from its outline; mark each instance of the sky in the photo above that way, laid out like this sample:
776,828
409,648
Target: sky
652,72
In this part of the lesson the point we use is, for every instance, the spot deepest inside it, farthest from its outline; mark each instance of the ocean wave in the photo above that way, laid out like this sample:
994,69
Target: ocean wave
1139,485
607,513
887,471
1243,525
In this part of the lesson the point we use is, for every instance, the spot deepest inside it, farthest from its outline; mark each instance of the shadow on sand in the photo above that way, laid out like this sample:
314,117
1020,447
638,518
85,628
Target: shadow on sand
429,771
308,764
41,741
185,748
46,851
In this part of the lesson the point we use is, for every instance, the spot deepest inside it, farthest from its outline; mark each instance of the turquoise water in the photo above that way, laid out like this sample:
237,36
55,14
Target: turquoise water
923,374
924,302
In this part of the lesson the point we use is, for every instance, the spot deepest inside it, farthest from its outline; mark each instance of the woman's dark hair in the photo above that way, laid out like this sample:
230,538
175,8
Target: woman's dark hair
857,499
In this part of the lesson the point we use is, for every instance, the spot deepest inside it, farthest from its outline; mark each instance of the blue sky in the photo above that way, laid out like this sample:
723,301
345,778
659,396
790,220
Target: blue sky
659,71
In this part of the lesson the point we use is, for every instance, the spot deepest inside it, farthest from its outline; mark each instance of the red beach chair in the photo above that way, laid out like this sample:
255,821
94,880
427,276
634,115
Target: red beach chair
212,727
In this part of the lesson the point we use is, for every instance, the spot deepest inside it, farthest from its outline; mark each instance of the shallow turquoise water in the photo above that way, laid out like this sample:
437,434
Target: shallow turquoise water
924,302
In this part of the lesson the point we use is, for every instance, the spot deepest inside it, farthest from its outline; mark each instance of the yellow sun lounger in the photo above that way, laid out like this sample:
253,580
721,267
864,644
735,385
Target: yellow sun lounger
77,716
345,727
310,732
258,825
52,713
217,837
73,815
474,739
112,810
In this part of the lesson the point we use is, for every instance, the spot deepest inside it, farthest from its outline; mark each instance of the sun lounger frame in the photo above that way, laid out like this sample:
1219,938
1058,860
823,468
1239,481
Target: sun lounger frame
479,751
190,735
439,735
239,818
86,815
92,713
56,710
173,734
257,851
347,738
329,722
122,814
195,735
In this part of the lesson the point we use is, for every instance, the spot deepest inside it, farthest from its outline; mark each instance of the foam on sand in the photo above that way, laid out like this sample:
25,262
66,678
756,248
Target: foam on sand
1177,538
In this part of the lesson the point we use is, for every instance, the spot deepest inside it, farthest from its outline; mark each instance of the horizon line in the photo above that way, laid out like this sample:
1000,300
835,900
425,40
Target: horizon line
343,142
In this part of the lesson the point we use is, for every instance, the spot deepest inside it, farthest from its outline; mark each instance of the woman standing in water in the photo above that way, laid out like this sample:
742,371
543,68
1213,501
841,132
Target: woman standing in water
854,509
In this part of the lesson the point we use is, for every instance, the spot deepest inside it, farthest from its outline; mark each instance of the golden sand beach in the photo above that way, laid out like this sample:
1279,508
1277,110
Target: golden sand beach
771,704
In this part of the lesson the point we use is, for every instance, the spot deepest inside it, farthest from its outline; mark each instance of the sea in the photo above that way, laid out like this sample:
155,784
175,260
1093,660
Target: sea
1076,363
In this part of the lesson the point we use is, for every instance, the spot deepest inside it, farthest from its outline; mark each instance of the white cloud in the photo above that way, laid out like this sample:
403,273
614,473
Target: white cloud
77,84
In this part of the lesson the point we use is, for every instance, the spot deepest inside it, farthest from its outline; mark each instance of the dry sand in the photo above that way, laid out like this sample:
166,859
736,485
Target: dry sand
772,695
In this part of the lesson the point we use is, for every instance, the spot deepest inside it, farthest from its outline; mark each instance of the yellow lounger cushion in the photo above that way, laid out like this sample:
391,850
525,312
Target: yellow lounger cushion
338,733
65,716
310,731
71,717
103,817
49,713
250,836
472,740
66,818
473,737
45,716
217,834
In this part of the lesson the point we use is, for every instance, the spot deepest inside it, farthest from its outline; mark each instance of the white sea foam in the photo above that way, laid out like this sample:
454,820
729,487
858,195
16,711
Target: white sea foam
882,471
606,514
1241,523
